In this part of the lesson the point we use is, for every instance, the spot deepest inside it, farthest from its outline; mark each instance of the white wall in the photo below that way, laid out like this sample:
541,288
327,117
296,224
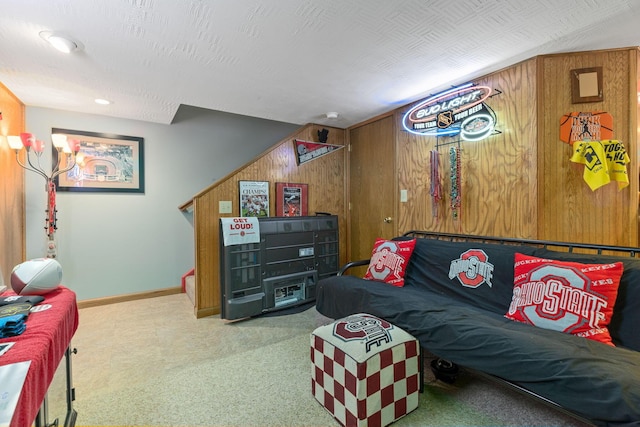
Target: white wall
120,243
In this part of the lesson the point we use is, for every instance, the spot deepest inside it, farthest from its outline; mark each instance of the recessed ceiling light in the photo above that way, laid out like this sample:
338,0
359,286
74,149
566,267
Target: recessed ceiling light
102,101
61,42
332,115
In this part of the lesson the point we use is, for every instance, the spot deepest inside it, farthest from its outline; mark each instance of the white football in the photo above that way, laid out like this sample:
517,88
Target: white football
36,277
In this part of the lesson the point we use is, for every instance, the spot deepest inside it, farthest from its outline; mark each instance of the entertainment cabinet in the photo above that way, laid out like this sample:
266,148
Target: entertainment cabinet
280,271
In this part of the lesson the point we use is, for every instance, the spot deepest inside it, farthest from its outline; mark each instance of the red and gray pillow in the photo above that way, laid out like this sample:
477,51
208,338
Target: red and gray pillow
565,296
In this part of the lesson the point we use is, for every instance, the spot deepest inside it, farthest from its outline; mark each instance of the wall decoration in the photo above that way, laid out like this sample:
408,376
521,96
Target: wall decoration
291,199
307,150
254,198
457,111
104,163
586,126
604,161
586,85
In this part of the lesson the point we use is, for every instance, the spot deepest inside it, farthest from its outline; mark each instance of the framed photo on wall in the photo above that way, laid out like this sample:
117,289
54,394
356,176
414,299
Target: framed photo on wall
254,198
291,199
105,163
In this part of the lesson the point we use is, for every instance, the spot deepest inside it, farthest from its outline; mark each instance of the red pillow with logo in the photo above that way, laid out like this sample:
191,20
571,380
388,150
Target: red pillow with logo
565,296
389,260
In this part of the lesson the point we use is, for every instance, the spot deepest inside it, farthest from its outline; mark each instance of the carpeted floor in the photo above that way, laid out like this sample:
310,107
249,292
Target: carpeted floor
151,362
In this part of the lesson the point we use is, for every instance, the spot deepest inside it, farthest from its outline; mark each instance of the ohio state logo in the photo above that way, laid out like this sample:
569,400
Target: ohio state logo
472,269
558,298
385,261
363,327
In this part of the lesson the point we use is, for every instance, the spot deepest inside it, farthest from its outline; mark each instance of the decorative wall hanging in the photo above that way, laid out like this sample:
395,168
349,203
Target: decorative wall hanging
456,182
254,198
291,199
307,150
604,161
586,85
586,126
457,111
104,163
435,189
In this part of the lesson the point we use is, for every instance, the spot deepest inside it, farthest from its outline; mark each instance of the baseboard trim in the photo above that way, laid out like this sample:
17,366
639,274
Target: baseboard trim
95,302
205,312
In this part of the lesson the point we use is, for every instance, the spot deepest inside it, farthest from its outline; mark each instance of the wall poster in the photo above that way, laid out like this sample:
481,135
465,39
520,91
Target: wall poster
254,198
291,199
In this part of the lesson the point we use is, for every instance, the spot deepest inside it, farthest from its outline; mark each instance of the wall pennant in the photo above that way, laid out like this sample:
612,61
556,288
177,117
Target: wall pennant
586,126
307,150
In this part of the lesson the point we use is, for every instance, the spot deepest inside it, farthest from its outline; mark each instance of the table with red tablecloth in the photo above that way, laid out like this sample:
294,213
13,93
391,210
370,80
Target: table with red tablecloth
50,327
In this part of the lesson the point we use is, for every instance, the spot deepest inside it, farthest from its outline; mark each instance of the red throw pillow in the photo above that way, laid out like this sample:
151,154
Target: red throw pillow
389,260
565,296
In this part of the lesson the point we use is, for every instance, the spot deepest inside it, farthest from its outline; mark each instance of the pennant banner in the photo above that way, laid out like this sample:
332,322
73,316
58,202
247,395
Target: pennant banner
307,151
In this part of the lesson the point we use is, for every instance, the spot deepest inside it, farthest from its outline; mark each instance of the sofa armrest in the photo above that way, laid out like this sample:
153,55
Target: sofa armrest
353,264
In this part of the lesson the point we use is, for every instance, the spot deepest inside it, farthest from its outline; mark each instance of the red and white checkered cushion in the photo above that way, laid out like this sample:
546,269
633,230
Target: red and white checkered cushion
364,370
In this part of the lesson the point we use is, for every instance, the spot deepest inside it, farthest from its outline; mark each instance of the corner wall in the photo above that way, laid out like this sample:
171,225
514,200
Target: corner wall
12,236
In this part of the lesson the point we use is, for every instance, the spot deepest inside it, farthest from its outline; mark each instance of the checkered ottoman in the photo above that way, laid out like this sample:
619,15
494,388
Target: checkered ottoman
364,370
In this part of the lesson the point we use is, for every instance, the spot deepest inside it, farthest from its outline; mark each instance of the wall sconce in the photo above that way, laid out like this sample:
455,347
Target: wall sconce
34,148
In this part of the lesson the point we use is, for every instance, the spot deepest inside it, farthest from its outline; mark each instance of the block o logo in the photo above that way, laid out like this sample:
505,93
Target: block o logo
472,268
560,319
359,326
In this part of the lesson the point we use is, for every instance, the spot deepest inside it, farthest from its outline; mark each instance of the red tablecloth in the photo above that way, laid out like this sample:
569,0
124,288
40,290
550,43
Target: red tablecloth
44,342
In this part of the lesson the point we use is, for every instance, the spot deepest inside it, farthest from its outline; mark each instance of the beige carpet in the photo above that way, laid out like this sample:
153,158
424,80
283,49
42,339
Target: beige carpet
151,362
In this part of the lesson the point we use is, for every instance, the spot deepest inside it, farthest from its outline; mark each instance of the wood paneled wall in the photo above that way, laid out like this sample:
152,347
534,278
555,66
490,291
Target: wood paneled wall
499,177
327,186
568,209
520,183
12,217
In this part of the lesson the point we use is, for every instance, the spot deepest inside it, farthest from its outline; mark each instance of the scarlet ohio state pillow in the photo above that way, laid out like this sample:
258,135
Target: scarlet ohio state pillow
389,260
565,296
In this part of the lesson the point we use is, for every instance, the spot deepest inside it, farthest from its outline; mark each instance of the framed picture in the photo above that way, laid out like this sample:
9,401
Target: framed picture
254,198
291,199
104,163
586,85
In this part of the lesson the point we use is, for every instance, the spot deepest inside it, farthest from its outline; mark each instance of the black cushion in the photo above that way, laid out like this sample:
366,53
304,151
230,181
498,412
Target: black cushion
479,274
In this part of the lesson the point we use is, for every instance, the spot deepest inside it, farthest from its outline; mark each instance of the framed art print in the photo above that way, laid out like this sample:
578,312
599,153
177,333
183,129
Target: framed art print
586,85
105,163
291,199
254,198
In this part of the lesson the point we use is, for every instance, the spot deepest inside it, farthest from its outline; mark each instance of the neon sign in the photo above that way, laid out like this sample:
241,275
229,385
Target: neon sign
457,111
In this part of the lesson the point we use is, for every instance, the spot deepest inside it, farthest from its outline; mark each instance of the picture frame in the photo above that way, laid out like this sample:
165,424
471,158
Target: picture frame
586,85
254,198
292,199
105,163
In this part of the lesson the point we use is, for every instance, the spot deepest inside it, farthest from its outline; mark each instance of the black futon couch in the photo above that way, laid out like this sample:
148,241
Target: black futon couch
596,382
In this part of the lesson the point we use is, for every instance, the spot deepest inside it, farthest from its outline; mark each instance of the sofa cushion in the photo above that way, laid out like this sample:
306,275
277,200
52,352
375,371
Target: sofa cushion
565,296
480,274
389,259
623,327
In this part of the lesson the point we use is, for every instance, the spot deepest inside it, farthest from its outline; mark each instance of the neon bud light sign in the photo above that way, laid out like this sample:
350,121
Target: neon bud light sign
460,110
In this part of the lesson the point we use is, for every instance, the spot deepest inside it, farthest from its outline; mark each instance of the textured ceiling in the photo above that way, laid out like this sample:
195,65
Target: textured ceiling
285,60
